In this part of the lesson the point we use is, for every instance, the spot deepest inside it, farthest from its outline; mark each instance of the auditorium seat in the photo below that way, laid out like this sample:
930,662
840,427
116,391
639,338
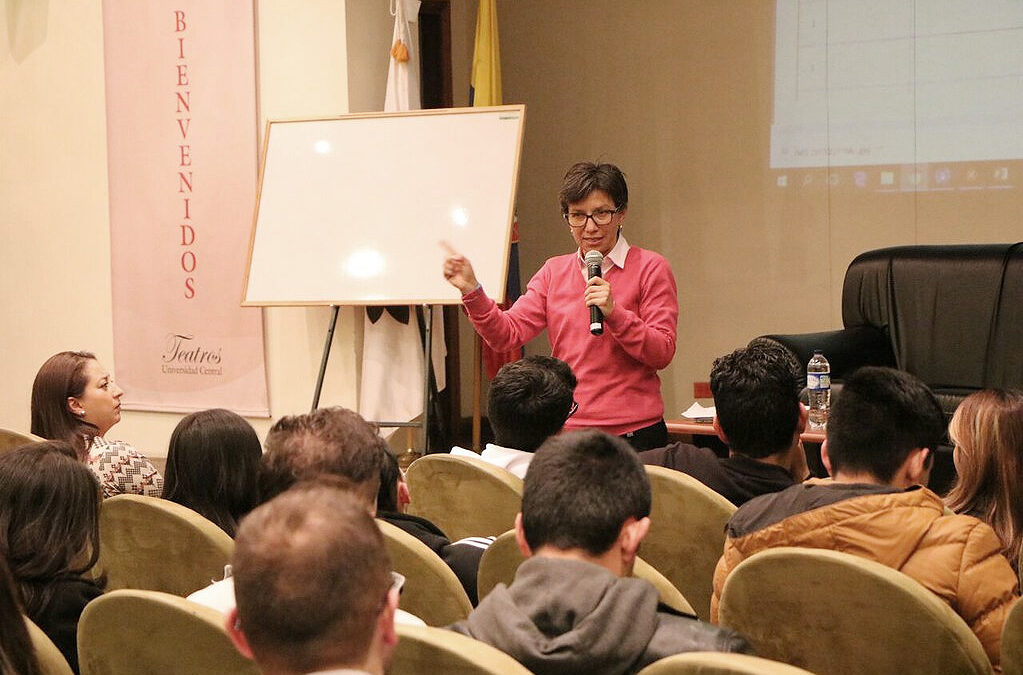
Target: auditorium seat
427,651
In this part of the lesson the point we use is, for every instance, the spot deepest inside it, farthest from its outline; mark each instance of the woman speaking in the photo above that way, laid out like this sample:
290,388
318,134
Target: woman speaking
615,353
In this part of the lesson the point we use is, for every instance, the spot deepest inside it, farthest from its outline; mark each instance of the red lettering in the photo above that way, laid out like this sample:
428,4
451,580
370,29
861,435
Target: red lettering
183,125
182,74
185,101
186,155
179,21
184,182
188,203
181,47
187,236
189,288
188,261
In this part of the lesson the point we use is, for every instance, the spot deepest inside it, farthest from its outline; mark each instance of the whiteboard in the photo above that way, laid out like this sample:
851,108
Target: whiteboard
352,209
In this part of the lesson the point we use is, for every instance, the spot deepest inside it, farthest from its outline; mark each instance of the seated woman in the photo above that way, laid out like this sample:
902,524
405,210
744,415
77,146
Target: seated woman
74,399
49,534
213,466
987,430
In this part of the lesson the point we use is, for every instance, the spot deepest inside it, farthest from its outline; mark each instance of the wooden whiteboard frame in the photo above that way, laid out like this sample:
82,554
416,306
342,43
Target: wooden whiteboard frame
304,246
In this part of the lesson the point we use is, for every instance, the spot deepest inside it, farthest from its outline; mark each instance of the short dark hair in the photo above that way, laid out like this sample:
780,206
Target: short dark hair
390,472
756,395
334,441
62,376
580,489
585,177
881,415
213,466
530,399
49,518
311,574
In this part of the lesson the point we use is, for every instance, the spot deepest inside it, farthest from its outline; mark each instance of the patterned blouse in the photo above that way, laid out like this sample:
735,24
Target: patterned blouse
121,469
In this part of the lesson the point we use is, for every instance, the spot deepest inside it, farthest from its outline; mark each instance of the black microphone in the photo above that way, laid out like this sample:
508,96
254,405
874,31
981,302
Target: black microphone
593,261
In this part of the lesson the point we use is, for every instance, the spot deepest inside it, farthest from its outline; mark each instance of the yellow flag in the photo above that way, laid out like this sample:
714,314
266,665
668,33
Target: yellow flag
485,85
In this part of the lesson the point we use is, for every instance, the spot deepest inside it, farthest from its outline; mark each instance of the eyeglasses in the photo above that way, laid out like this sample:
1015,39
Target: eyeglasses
573,409
577,220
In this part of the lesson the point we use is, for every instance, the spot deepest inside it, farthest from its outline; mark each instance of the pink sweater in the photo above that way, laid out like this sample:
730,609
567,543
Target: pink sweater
619,390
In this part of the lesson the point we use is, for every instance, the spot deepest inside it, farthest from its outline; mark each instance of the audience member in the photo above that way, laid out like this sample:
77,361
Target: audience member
74,399
881,435
315,592
327,444
987,430
759,416
213,466
49,536
530,399
17,655
462,556
572,607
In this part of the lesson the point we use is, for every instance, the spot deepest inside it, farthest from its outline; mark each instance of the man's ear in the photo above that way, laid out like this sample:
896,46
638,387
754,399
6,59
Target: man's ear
631,536
719,431
520,537
804,416
825,460
404,497
917,468
385,622
234,631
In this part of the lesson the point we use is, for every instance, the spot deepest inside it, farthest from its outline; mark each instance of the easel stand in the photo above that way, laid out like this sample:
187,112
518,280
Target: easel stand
427,362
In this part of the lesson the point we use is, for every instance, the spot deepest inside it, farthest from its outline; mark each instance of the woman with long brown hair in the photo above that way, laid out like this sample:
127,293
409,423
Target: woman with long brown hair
987,430
49,536
75,399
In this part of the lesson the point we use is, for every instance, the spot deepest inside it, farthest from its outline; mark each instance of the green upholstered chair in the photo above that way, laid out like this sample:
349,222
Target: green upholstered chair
1012,642
49,658
432,592
716,663
464,496
427,651
138,632
158,545
835,613
687,533
503,557
10,439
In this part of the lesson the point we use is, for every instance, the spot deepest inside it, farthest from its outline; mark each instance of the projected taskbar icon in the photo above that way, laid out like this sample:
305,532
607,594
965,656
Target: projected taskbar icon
937,177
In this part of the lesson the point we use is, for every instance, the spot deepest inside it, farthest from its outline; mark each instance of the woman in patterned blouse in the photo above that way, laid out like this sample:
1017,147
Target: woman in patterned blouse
74,399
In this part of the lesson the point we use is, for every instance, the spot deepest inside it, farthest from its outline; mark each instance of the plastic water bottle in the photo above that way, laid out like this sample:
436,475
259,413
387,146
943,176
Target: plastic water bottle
818,384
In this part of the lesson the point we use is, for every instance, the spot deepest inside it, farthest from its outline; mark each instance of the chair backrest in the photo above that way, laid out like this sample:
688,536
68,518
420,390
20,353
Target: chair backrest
464,496
10,439
503,557
687,533
432,591
426,651
1012,642
128,632
835,613
719,663
158,545
49,658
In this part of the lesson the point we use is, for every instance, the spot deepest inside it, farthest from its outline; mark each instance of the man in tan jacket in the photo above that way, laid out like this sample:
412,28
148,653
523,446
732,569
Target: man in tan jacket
881,435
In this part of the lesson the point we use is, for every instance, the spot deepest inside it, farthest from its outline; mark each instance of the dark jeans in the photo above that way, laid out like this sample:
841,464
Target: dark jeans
648,438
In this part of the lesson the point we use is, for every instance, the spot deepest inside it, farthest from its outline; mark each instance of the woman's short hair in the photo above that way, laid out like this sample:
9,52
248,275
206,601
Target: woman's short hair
987,430
63,375
213,466
583,178
49,518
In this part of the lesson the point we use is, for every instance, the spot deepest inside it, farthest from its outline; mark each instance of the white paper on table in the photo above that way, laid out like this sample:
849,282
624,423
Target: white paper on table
699,412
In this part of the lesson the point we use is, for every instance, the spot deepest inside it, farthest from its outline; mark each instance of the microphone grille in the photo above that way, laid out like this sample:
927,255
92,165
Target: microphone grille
593,258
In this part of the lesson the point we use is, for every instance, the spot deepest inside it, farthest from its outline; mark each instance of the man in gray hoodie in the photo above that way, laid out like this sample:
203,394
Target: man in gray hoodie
573,607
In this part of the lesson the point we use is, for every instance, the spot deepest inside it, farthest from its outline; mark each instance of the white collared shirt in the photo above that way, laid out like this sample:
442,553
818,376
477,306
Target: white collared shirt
616,256
513,461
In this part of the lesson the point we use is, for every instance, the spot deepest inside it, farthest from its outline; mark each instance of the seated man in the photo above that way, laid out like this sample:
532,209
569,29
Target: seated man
882,431
314,587
573,607
756,395
530,399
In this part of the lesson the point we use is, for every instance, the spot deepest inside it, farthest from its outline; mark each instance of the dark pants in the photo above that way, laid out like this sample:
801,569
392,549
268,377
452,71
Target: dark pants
648,438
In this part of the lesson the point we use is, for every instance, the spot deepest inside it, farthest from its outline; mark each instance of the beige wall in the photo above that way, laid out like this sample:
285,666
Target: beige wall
54,237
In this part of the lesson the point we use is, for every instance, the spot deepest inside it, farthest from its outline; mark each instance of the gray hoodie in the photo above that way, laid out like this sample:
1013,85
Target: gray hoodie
570,616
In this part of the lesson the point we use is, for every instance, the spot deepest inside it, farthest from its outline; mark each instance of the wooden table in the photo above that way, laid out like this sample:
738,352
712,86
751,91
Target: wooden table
692,428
